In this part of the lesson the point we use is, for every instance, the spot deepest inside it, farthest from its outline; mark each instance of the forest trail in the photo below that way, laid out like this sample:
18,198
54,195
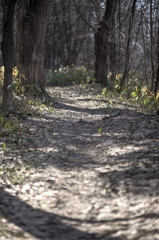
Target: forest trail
92,172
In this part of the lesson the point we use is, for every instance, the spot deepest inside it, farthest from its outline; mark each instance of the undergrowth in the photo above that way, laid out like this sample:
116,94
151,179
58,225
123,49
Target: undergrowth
134,92
68,76
14,136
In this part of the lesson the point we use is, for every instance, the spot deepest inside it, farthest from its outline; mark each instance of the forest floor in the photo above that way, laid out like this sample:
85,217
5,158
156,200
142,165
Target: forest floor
88,170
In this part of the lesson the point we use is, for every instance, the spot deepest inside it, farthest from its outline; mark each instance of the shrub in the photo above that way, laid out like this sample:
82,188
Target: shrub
135,92
68,76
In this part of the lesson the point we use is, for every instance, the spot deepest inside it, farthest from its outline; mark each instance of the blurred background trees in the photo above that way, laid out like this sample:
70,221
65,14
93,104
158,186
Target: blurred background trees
129,32
118,40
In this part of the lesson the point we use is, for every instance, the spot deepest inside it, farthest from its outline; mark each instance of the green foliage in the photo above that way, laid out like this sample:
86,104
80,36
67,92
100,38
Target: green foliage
100,129
11,124
68,76
135,92
4,146
145,98
32,90
17,172
15,86
18,89
8,125
105,92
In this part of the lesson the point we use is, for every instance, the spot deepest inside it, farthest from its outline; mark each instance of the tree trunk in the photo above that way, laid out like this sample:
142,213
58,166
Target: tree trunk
102,38
31,30
8,51
127,51
157,71
152,47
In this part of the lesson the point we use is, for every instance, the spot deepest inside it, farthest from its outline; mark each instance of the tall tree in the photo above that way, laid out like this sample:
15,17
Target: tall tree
31,28
102,38
8,51
127,50
157,71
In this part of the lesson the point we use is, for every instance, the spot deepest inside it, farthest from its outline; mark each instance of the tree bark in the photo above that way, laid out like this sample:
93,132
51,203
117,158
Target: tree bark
127,52
31,30
102,39
157,71
8,51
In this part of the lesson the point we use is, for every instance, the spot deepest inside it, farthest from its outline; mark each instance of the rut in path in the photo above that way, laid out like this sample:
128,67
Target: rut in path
93,175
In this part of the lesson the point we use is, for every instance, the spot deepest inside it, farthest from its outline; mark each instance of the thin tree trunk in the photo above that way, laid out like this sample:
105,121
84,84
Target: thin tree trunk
152,47
127,51
157,71
144,49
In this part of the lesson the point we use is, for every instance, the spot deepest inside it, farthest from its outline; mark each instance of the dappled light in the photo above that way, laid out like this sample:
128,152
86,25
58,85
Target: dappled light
80,169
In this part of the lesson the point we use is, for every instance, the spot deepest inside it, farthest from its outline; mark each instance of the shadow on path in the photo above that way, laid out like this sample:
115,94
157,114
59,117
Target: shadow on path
44,225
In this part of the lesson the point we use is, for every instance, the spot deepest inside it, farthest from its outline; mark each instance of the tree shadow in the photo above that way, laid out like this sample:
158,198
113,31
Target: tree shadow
45,225
64,106
107,101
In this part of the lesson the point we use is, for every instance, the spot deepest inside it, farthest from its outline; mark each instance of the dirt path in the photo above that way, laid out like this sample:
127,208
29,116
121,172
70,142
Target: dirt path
92,173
